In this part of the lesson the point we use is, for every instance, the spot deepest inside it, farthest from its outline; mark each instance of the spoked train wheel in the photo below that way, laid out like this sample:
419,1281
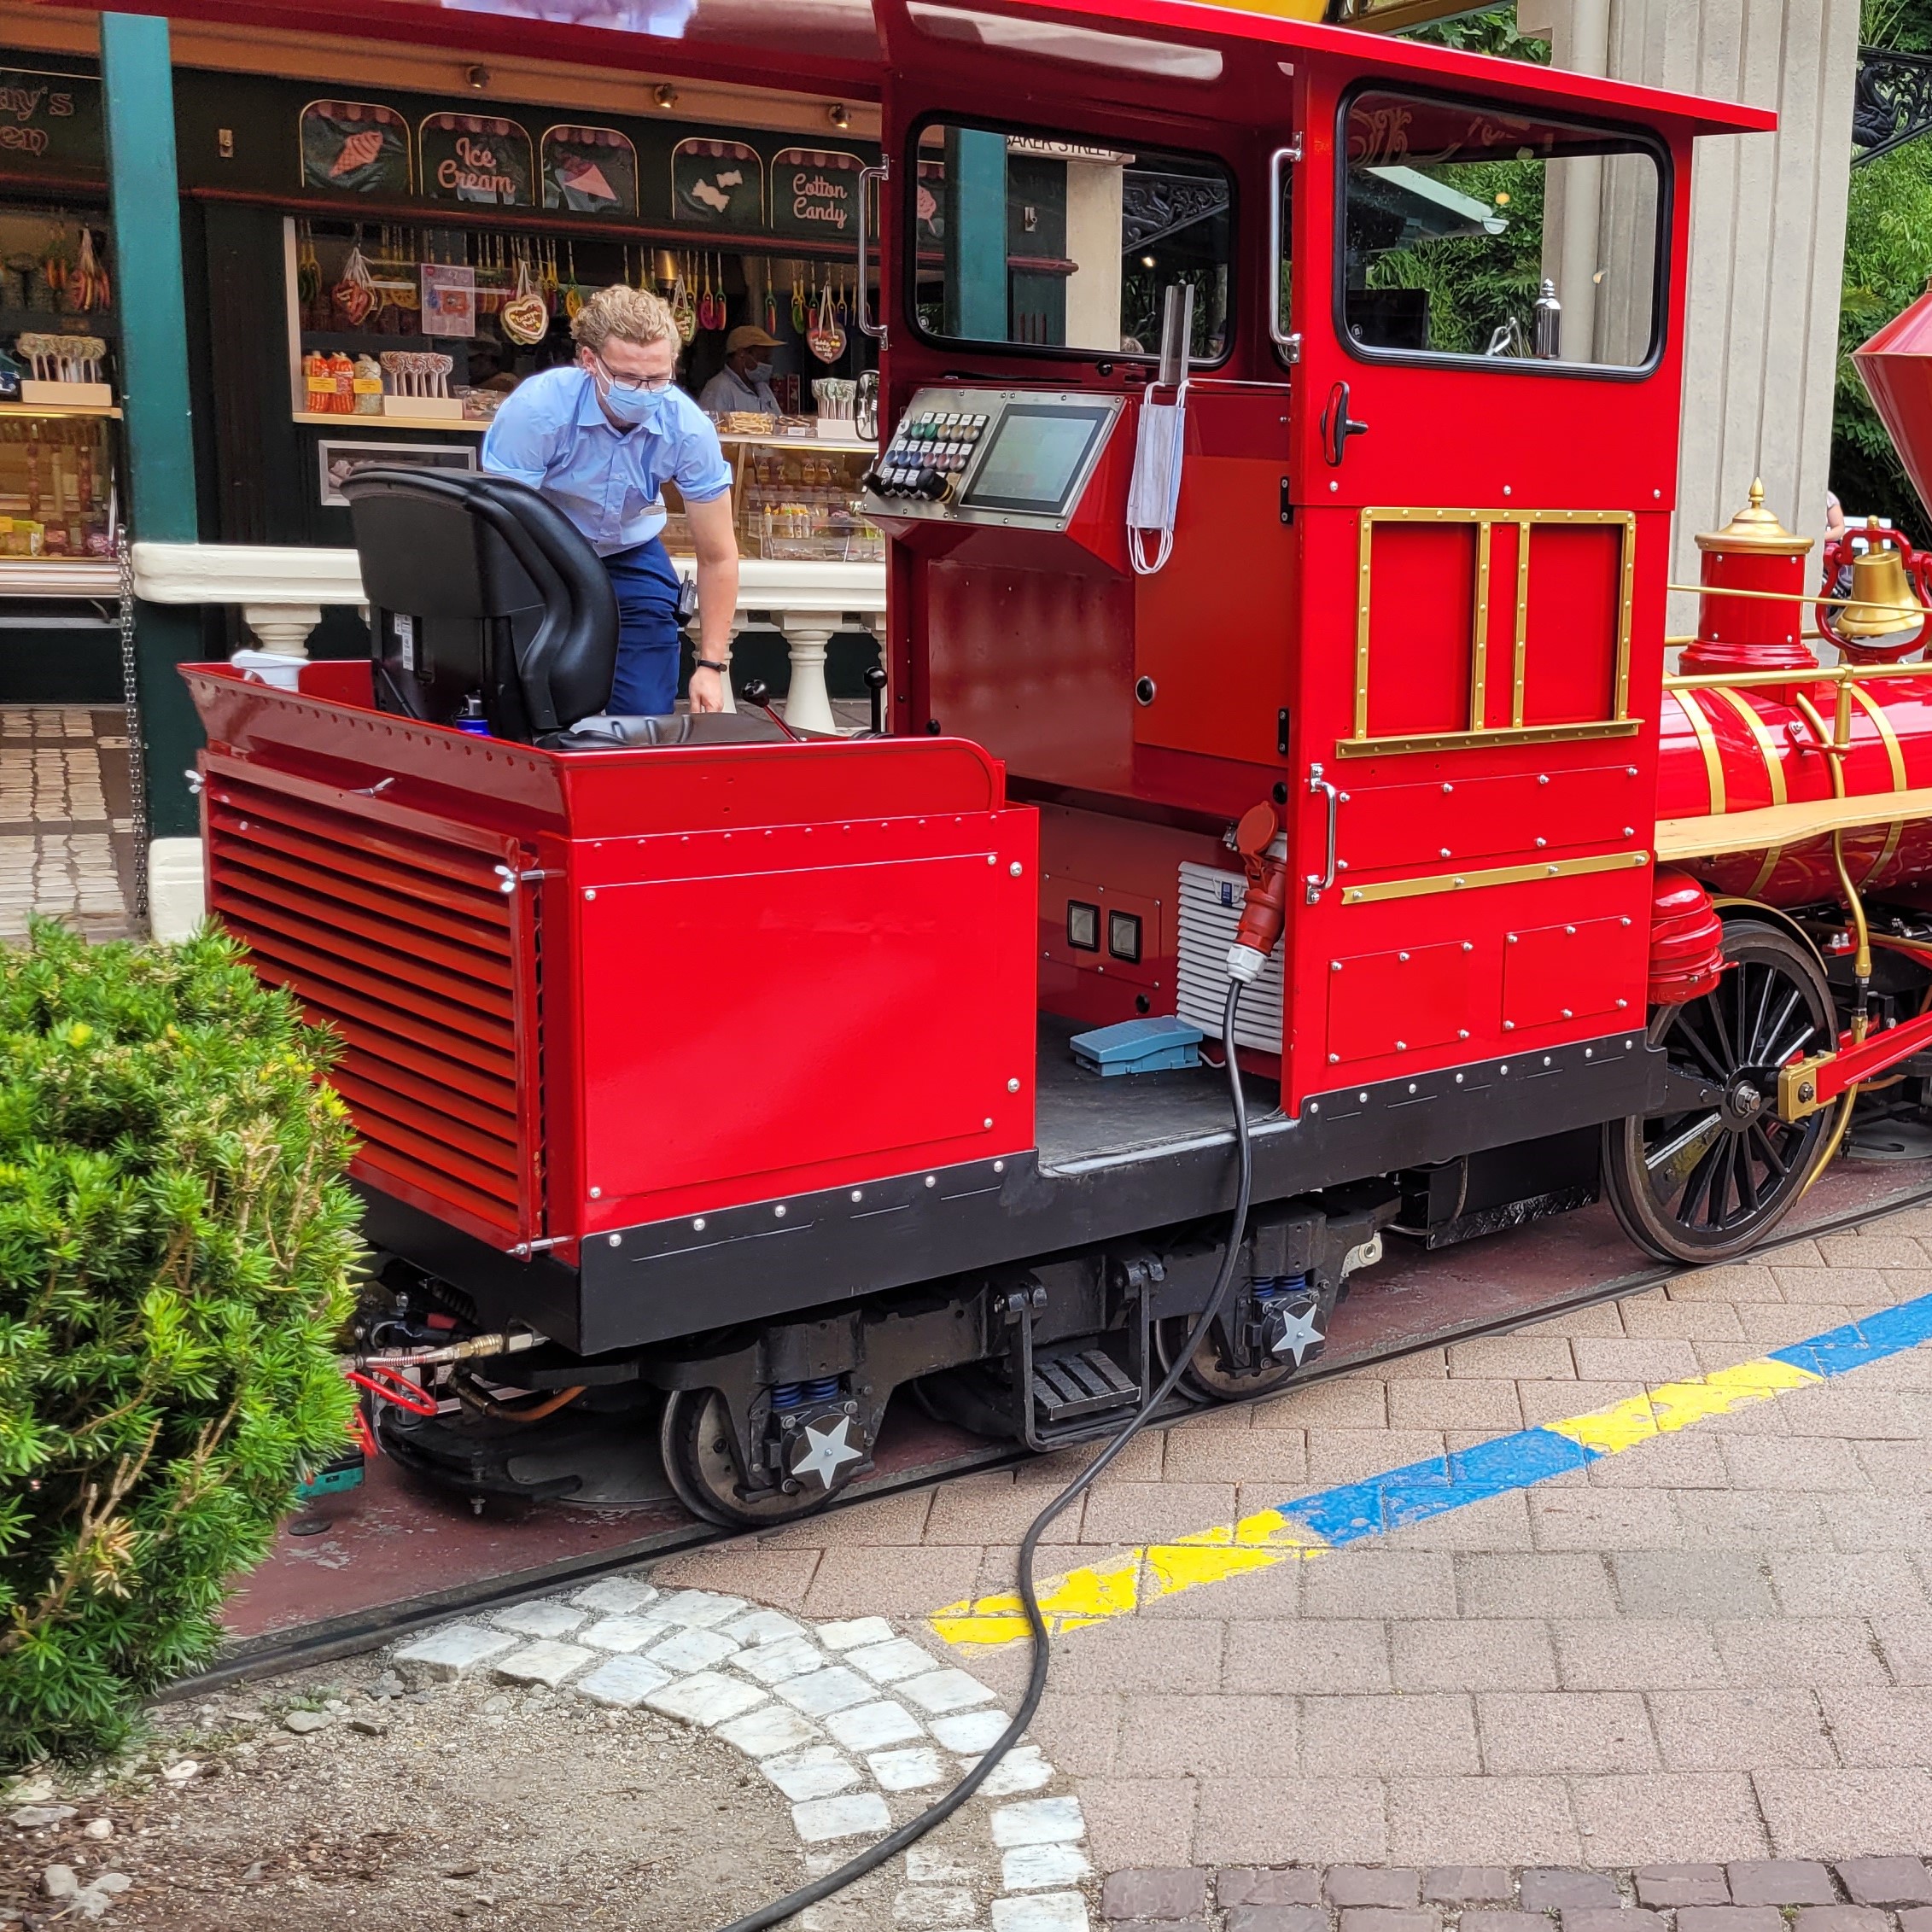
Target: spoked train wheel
1207,1378
694,1437
1708,1184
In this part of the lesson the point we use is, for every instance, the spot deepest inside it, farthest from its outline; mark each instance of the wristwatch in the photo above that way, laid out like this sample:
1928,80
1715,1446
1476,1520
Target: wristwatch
712,664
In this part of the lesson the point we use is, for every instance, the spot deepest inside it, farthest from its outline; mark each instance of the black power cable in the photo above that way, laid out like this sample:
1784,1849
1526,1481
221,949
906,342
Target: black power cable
937,1814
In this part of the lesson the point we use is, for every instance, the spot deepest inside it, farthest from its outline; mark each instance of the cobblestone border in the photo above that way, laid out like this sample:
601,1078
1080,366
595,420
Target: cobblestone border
1868,1895
858,1726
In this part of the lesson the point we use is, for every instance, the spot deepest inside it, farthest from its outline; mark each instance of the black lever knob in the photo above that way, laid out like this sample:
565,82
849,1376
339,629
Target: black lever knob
875,683
873,482
929,485
756,691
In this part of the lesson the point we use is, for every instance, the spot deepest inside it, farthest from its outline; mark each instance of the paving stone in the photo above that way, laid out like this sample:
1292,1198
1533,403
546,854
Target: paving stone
1915,1919
942,1690
970,1732
1290,1918
1730,1918
887,1663
772,1663
1662,1885
924,1906
1035,1868
708,1698
1041,1912
857,1814
816,1772
454,1650
1780,1882
1299,1886
1553,1584
1396,1737
544,1662
1487,1818
1840,1918
1042,1821
1607,1919
849,1634
1160,1892
1446,1654
1546,1889
1389,1919
1886,1881
692,1649
1503,1922
1372,1885
822,1692
1740,1730
1466,1884
764,1626
1691,1583
1564,1732
703,1609
623,1681
909,1770
1022,1769
622,1635
541,1618
761,1732
869,1727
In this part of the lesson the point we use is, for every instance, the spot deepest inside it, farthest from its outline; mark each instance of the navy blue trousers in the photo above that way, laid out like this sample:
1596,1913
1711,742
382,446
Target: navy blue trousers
647,584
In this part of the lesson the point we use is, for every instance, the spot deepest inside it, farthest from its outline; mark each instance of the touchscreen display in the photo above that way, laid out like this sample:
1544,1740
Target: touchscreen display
1036,455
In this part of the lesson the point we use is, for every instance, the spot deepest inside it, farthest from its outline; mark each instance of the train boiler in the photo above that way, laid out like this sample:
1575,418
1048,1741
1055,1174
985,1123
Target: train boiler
1273,605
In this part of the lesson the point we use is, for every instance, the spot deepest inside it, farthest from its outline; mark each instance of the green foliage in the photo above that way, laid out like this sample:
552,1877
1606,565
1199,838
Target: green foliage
1493,30
176,1250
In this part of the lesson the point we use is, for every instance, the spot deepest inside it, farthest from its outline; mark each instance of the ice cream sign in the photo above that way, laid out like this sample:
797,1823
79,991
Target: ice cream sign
814,193
476,157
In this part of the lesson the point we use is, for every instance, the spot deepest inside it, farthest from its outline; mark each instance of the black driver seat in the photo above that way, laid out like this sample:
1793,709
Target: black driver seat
478,585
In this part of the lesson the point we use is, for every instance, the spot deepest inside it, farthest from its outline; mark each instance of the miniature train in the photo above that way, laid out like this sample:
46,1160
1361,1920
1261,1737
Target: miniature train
724,1079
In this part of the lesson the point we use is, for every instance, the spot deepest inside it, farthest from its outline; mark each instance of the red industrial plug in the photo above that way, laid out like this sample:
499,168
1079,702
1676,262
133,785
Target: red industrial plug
1263,853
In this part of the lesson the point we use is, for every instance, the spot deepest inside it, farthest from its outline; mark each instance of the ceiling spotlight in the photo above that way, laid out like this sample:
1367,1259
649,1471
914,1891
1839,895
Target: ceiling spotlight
666,95
478,77
1147,262
839,116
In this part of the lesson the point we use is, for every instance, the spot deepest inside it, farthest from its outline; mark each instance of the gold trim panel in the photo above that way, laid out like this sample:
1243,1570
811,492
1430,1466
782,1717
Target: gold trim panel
1496,875
1708,744
1499,734
1786,824
1895,756
1362,744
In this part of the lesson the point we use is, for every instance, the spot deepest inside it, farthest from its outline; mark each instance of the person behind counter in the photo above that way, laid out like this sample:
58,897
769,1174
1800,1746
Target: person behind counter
600,437
745,381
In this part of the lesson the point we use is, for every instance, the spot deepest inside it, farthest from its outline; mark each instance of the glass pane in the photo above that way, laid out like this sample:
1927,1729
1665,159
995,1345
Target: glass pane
1472,231
1057,244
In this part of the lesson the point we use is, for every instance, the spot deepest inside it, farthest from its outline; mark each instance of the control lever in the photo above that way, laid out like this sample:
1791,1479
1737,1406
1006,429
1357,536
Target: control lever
1338,426
758,693
875,683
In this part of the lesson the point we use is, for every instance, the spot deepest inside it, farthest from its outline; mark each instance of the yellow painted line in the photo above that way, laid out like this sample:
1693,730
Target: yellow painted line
1677,1405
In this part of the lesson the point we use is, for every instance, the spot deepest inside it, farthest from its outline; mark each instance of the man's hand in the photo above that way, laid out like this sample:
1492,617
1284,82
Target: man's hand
715,542
707,691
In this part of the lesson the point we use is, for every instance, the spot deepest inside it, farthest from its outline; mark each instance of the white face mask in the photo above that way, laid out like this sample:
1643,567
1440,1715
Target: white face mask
636,409
757,373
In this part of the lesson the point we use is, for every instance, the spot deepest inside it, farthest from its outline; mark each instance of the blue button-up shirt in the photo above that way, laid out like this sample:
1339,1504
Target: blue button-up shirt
551,433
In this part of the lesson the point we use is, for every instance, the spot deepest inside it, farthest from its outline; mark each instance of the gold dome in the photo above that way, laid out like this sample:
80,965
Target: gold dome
1754,528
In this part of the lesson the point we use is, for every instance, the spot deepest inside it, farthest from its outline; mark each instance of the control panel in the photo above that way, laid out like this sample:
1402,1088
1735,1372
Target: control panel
1019,457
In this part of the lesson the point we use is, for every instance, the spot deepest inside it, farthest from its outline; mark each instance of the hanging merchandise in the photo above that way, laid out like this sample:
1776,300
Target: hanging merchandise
826,339
525,318
706,314
798,309
684,311
841,314
90,289
449,299
573,295
549,286
354,296
771,309
308,273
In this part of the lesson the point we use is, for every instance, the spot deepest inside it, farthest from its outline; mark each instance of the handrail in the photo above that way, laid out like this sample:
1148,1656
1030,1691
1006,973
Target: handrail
1821,674
1797,597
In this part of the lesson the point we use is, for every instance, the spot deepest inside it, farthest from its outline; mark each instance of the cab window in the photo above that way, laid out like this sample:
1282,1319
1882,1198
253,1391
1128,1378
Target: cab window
1475,232
1043,242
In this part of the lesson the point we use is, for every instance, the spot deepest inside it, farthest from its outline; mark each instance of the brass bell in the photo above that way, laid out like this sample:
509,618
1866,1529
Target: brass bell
1883,602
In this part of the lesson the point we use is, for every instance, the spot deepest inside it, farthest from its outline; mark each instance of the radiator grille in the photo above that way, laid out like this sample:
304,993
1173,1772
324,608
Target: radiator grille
407,946
1210,909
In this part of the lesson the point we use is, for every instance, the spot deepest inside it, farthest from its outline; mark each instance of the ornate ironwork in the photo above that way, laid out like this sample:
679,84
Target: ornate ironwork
1892,103
1153,205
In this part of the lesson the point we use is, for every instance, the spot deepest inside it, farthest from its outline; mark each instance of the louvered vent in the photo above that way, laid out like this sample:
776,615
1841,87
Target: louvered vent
407,945
1210,909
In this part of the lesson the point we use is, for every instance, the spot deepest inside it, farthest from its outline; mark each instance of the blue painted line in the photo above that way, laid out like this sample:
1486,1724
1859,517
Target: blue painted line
1873,1338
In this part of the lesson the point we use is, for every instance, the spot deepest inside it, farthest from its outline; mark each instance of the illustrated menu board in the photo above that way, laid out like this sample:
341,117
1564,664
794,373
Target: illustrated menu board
814,193
589,170
354,147
476,157
50,121
718,184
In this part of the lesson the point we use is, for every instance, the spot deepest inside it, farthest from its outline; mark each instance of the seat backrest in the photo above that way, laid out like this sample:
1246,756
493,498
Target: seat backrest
476,584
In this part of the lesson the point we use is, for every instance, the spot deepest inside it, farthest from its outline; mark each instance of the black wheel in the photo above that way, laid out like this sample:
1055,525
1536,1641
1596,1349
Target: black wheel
697,1462
1707,1185
1207,1377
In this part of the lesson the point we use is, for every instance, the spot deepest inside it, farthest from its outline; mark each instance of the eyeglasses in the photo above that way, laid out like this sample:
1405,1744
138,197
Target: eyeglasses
617,382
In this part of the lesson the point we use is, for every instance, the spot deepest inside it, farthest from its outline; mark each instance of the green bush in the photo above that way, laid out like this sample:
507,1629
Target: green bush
177,1246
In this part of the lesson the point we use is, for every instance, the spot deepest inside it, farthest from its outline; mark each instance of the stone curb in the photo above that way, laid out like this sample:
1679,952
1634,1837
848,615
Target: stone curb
842,1718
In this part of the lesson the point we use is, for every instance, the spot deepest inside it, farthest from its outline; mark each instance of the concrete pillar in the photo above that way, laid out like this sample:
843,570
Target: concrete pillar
1767,238
1092,239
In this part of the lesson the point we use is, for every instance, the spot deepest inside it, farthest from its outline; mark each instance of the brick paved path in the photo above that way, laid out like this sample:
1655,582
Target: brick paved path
65,839
1715,1646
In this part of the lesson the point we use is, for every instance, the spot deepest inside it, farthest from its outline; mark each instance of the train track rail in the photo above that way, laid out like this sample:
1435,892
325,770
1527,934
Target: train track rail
275,1653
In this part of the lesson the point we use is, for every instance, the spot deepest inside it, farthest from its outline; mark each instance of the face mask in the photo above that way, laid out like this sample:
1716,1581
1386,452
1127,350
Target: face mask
636,409
757,373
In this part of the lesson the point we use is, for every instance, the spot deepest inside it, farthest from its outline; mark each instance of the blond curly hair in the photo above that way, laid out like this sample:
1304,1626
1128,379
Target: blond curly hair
631,315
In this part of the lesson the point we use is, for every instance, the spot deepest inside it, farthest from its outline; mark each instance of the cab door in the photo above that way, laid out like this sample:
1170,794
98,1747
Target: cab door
1483,496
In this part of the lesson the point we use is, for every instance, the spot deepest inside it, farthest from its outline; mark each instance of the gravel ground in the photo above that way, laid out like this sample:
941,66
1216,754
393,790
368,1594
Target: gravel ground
501,1807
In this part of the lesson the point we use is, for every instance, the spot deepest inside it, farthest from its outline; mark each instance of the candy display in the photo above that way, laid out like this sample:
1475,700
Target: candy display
63,359
416,373
525,318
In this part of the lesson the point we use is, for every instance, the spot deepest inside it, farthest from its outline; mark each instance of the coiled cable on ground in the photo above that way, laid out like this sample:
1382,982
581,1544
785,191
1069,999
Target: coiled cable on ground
938,1813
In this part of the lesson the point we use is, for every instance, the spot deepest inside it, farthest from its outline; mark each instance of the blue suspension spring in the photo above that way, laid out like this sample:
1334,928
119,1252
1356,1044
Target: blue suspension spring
796,1395
1270,1289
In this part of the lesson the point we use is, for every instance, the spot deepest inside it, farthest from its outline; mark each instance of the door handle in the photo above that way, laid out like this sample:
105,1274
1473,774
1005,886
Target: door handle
1338,426
1318,883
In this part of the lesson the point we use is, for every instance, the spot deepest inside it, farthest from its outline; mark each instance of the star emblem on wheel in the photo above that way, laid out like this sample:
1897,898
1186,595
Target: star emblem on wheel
828,1448
1300,1334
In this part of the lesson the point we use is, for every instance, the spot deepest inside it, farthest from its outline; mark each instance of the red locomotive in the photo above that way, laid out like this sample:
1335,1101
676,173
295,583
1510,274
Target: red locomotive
729,1072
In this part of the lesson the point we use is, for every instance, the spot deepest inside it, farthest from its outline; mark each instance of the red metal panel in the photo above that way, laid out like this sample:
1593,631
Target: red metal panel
1401,1001
801,1007
1576,971
1575,599
1420,625
1460,820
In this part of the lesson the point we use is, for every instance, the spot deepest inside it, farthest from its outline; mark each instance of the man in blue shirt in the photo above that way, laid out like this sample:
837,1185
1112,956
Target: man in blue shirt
600,437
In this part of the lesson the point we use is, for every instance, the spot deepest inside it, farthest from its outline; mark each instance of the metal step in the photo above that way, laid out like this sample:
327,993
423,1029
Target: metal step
1070,1386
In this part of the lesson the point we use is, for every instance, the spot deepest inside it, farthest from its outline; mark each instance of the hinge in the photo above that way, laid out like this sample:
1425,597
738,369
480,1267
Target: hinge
1293,150
1288,507
1291,347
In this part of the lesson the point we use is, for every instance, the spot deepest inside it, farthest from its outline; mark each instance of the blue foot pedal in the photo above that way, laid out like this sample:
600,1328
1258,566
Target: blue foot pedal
1140,1046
